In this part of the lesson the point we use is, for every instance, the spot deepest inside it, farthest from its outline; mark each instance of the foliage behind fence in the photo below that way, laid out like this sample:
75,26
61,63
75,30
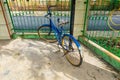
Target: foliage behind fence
28,15
103,26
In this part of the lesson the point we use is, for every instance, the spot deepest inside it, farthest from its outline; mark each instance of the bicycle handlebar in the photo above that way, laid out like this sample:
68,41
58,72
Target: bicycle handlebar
51,6
49,14
49,10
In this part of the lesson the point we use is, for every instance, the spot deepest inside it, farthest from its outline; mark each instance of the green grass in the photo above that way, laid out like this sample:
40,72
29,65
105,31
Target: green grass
101,54
109,44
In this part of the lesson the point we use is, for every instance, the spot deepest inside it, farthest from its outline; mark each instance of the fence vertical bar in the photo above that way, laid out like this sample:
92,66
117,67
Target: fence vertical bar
10,14
72,16
85,17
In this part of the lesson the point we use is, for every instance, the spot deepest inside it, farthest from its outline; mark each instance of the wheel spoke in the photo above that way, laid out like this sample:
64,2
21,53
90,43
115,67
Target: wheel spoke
46,34
73,54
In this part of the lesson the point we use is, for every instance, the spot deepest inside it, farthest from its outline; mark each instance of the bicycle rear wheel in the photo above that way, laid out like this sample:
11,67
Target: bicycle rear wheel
46,34
71,51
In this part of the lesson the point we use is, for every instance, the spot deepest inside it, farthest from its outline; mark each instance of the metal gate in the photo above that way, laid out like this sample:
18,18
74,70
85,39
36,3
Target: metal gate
102,29
28,15
104,24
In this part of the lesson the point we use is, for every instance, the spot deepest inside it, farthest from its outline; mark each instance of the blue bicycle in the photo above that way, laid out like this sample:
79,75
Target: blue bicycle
70,46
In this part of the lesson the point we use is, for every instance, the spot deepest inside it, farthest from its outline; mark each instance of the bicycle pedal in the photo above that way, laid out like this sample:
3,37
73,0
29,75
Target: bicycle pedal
65,54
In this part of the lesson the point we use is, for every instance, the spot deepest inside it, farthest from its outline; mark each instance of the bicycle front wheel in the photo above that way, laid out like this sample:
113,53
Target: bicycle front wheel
71,51
46,34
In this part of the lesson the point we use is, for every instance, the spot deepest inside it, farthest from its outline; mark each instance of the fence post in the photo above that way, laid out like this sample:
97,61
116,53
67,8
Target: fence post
72,16
79,17
85,17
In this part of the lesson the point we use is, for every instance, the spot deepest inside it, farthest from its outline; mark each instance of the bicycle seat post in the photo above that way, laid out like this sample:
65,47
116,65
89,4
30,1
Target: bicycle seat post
49,12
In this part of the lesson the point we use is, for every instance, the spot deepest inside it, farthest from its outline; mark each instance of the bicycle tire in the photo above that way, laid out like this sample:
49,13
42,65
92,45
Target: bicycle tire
70,50
46,34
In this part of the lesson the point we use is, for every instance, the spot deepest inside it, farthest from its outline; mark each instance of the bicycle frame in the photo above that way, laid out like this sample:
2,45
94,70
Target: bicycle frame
58,32
67,42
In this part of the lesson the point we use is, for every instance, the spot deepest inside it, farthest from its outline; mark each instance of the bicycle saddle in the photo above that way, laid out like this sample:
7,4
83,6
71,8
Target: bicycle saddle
63,23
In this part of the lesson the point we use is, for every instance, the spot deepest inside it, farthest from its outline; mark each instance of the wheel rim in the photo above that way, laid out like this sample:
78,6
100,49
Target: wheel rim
44,34
73,55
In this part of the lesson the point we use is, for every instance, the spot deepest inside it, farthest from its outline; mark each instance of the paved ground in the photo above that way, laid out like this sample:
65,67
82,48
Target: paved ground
24,59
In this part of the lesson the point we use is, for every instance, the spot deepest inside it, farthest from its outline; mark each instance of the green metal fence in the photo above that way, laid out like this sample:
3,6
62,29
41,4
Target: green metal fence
28,15
102,26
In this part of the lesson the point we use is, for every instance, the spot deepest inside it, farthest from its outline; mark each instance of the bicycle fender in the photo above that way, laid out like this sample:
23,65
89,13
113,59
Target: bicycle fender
45,25
76,42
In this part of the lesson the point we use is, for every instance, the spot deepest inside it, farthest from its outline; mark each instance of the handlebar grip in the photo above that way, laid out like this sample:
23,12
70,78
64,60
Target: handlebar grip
52,6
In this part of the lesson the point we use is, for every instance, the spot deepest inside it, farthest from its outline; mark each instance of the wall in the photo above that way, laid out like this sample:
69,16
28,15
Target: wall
79,17
3,28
